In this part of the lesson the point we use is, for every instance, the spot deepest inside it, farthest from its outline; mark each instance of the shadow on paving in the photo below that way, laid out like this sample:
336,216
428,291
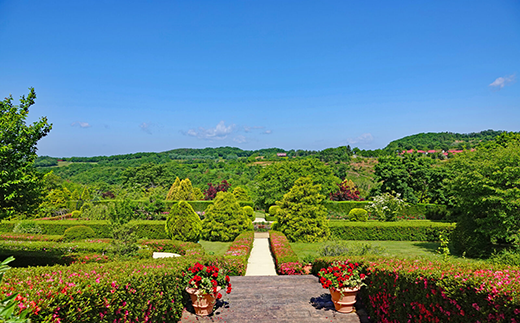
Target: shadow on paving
286,299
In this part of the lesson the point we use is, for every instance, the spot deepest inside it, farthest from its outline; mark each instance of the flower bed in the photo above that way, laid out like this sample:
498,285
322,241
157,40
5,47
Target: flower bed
28,237
424,291
238,253
132,291
286,260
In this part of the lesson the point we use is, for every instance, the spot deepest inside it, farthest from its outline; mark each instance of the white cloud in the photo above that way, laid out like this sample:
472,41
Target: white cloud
365,138
146,127
500,82
221,131
81,124
249,129
268,132
240,139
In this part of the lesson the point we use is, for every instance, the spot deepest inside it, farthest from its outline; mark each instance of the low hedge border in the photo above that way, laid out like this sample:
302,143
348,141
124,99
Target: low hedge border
238,253
285,259
412,230
29,237
132,291
404,290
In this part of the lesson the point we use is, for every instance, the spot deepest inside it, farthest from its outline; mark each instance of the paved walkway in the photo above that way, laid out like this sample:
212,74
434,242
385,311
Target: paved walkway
261,261
261,296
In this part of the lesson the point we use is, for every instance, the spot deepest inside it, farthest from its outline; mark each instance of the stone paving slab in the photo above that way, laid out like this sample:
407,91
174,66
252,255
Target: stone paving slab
286,299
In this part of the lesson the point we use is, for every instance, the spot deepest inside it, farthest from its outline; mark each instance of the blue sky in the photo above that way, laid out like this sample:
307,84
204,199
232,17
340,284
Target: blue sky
119,77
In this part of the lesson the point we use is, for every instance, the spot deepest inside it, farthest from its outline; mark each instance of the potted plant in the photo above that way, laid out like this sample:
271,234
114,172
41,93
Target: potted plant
203,284
344,279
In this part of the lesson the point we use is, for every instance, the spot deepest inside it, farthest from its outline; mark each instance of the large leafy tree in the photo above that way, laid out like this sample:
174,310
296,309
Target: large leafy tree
486,188
417,179
277,179
21,187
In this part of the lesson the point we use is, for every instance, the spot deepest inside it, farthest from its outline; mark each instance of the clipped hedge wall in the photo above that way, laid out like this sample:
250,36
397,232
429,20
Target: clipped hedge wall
412,230
405,290
238,253
430,211
285,259
198,206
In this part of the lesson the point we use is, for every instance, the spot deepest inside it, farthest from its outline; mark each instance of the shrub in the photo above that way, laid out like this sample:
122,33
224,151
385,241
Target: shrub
179,247
285,259
27,227
79,232
181,191
466,240
358,215
76,214
387,207
211,192
506,257
183,223
273,210
249,212
225,219
302,217
241,194
347,191
418,230
238,253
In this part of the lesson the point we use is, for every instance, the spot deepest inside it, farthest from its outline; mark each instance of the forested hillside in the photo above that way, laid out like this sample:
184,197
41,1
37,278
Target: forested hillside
441,141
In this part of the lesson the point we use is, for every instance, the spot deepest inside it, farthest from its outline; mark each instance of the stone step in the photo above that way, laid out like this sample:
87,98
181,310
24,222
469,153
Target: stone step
286,299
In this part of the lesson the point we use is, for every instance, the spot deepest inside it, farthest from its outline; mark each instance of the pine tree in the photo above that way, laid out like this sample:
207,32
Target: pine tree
225,219
183,223
173,190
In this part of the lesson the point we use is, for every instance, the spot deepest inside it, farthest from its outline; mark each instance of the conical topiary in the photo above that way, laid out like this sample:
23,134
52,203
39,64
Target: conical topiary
183,223
225,219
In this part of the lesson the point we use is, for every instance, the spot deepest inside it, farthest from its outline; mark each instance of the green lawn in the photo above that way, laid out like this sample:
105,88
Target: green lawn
259,215
396,248
215,247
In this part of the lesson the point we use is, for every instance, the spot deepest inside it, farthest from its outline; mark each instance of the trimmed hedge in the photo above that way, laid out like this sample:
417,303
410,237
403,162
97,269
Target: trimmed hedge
180,247
238,253
404,290
412,230
132,291
29,237
285,259
198,206
429,211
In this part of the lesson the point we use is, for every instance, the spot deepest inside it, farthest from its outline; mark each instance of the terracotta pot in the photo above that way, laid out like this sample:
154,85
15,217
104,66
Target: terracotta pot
202,303
344,299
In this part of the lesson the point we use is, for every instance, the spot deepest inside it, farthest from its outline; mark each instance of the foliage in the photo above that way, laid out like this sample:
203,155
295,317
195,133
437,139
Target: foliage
347,191
342,275
344,248
211,192
302,217
444,249
79,232
181,191
21,186
206,279
418,230
486,187
277,179
241,194
358,214
417,179
273,210
387,207
285,259
124,239
29,227
249,212
506,257
225,219
183,223
180,247
9,312
335,155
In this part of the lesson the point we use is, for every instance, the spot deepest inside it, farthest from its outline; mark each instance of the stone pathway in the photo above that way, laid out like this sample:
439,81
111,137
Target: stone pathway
261,296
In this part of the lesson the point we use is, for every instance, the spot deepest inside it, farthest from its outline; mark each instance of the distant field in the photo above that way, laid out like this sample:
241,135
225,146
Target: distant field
67,163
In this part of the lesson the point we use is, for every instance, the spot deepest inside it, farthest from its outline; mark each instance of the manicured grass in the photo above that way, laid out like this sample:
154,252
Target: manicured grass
259,214
216,248
393,248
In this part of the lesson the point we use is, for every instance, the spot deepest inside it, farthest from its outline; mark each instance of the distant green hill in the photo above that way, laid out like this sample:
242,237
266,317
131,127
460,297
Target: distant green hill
441,140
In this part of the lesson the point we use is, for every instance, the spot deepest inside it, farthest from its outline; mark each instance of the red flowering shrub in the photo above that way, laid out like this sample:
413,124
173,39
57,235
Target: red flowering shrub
212,191
286,260
342,274
433,291
346,192
238,253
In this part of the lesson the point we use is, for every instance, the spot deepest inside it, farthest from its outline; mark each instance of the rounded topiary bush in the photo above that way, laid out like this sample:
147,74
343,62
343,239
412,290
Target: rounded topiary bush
273,210
249,212
80,232
27,227
225,219
357,214
183,223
